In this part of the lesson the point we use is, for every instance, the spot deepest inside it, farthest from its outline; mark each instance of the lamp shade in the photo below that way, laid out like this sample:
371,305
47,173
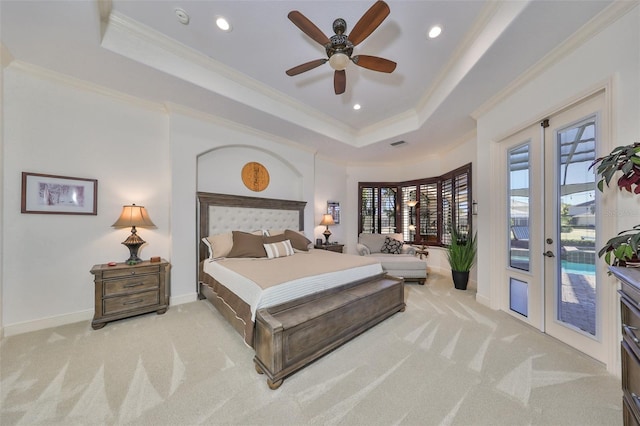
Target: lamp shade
133,216
327,220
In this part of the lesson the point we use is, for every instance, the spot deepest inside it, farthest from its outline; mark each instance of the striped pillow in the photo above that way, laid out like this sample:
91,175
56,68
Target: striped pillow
279,249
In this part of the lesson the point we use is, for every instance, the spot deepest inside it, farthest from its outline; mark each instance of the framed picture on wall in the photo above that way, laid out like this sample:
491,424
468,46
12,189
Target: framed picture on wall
58,194
333,208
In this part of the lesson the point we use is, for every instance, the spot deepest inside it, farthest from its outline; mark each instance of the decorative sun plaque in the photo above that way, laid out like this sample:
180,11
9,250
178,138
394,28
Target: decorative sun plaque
255,176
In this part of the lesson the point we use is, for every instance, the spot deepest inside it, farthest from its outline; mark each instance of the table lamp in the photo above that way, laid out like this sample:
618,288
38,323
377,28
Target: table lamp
327,220
133,216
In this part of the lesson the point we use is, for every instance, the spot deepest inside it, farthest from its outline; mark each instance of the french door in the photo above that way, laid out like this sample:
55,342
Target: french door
553,276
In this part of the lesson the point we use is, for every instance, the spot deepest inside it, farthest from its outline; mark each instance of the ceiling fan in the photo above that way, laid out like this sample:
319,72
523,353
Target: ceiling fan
340,46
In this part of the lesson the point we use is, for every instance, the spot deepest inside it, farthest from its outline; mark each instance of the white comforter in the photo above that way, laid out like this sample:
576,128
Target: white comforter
266,282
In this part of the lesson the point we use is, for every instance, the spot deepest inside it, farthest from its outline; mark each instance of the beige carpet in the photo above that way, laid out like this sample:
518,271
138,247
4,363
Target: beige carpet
445,361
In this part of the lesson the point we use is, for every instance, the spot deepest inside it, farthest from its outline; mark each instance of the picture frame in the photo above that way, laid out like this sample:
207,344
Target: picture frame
333,208
52,194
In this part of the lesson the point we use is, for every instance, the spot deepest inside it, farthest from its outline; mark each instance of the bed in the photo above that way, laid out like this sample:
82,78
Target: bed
295,307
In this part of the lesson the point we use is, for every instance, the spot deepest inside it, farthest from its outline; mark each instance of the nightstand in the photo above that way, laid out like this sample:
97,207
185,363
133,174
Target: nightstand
330,247
122,291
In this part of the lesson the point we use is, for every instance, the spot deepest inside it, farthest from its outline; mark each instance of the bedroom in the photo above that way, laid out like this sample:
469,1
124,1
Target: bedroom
142,151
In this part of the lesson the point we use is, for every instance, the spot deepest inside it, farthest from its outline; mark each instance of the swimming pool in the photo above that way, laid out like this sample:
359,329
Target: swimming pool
578,268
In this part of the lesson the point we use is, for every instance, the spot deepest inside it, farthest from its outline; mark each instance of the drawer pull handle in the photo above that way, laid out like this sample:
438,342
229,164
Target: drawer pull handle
629,332
133,272
132,302
133,285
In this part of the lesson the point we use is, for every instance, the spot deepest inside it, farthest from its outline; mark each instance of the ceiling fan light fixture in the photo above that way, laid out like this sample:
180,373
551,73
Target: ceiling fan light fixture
338,61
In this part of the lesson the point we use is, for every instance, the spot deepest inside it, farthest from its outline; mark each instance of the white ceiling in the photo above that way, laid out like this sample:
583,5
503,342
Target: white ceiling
140,48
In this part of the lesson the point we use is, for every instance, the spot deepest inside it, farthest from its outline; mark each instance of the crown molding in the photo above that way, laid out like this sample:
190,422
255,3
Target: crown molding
76,83
604,19
173,108
142,44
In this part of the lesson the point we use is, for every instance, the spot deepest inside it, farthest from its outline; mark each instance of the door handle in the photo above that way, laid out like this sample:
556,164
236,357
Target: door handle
548,253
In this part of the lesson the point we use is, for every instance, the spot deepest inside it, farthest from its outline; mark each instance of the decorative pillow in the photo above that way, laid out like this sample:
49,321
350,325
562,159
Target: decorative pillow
247,245
391,246
279,249
273,239
298,241
219,245
272,232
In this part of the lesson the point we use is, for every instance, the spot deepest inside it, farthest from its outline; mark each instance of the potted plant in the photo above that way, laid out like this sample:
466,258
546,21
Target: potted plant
461,255
623,248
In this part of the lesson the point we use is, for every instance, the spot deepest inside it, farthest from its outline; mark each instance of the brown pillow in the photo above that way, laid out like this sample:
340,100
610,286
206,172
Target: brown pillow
298,241
273,239
247,245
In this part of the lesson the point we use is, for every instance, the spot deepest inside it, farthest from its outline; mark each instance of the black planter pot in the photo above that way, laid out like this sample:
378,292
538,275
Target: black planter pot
460,279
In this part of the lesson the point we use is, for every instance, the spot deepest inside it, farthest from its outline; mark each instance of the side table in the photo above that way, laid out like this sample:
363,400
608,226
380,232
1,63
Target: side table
122,291
330,247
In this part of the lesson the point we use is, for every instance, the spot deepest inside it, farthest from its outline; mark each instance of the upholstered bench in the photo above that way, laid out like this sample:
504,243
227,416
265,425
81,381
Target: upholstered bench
404,264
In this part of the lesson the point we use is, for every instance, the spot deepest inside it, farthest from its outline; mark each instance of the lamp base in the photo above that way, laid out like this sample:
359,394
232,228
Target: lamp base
133,243
327,234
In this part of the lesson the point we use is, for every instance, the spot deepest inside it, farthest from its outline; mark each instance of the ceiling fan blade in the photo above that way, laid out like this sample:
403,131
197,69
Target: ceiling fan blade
369,22
305,67
374,63
308,27
339,82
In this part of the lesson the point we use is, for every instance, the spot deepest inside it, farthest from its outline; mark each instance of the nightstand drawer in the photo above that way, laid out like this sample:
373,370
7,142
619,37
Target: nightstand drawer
114,305
129,272
630,376
128,285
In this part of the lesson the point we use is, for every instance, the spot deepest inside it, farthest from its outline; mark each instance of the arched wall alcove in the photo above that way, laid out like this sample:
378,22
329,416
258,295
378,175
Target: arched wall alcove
219,171
207,154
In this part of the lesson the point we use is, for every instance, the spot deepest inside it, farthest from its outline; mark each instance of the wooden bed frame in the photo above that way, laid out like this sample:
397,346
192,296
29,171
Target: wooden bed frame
289,336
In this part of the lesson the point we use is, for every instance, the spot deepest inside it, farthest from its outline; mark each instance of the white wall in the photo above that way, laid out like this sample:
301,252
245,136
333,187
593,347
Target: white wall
613,54
57,128
331,185
5,59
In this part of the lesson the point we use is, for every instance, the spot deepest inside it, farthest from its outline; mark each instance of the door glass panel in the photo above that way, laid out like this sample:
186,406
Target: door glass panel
519,256
576,219
519,296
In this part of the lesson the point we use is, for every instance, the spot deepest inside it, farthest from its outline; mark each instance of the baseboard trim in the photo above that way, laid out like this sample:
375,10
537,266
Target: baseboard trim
184,298
483,300
55,321
43,323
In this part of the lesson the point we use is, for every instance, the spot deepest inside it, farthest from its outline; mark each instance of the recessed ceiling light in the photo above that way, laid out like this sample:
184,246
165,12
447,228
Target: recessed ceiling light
223,24
356,107
182,15
435,32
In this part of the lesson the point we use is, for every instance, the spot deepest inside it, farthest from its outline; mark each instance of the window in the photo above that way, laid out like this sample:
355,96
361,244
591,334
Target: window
424,210
378,209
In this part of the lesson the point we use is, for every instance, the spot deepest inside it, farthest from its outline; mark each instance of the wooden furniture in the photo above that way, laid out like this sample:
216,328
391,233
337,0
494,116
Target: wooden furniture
289,336
292,335
122,291
630,346
330,247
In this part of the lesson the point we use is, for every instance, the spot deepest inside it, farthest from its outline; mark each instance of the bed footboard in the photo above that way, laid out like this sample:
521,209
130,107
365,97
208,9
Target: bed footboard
292,335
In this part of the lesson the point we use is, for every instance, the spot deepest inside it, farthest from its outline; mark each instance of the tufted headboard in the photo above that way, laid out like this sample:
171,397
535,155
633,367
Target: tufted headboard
219,213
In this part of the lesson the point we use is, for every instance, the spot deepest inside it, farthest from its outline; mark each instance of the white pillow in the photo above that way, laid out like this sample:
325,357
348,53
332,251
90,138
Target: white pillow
279,249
